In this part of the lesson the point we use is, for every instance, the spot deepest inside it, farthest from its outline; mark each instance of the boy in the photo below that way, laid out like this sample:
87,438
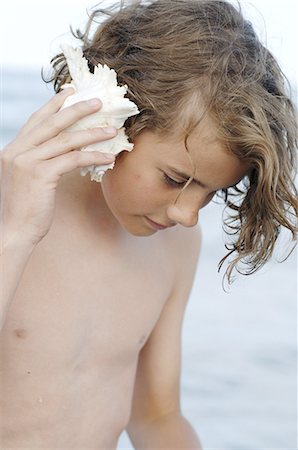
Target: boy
95,289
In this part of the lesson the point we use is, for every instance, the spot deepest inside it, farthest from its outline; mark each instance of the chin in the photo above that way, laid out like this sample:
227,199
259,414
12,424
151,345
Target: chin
137,229
143,233
139,232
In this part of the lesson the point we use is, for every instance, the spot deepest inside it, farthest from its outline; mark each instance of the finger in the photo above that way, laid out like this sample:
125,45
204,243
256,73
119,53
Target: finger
74,160
48,109
54,124
70,140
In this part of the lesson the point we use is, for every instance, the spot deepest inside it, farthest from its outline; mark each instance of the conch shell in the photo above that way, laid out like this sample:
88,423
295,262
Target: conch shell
115,108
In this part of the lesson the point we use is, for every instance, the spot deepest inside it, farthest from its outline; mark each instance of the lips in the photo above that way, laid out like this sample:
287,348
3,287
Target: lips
156,225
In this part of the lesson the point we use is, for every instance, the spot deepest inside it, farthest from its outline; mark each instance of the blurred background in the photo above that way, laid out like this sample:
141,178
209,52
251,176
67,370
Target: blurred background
239,374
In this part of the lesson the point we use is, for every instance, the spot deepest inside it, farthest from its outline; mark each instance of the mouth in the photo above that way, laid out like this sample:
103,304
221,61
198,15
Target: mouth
157,226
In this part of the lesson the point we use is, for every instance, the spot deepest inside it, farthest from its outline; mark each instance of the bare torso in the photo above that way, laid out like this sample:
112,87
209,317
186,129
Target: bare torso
84,308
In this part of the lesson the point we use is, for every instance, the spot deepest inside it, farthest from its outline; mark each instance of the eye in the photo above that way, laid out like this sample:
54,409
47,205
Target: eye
172,182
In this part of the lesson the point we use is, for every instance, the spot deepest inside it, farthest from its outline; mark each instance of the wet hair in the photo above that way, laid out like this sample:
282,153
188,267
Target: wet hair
177,55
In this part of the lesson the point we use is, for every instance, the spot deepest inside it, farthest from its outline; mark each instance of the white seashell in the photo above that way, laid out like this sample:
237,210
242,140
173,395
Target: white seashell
114,111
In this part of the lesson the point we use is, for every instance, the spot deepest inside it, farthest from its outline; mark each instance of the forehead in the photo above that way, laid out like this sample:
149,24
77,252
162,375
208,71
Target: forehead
204,157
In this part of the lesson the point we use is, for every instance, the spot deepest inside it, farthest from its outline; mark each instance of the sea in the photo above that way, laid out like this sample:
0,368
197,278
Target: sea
239,362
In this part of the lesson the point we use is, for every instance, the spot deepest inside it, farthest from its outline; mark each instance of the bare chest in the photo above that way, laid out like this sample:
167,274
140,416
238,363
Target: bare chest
81,315
97,303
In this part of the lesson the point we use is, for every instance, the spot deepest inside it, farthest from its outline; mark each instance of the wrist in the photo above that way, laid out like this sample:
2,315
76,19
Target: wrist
16,240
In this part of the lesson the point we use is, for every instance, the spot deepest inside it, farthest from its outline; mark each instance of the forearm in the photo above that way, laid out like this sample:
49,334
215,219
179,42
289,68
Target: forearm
14,255
169,432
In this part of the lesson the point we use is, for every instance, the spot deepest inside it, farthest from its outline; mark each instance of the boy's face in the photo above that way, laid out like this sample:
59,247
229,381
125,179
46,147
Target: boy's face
140,187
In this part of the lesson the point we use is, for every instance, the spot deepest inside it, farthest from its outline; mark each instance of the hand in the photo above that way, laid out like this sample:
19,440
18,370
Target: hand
32,164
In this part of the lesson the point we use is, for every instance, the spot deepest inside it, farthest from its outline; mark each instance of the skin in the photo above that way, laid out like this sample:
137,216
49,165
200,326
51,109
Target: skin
81,325
142,171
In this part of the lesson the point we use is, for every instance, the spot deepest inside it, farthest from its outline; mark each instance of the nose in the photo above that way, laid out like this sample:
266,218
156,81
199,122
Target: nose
184,214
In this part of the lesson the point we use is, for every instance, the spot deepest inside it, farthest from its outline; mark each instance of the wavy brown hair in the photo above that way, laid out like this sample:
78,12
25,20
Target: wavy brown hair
176,55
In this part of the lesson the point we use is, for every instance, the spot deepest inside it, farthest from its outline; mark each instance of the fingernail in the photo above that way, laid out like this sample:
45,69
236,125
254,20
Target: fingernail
109,130
93,102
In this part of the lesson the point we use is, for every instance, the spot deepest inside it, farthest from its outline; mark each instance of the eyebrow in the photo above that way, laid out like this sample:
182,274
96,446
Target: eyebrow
183,175
198,182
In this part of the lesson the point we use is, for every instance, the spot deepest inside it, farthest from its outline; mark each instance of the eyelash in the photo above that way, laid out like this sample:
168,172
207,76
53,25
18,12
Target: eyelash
172,182
177,184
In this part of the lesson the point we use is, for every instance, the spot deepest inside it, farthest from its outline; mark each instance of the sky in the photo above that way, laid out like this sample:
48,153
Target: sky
32,30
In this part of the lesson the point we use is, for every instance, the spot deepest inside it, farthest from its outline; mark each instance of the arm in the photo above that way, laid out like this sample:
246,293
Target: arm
31,167
14,255
13,259
171,431
156,420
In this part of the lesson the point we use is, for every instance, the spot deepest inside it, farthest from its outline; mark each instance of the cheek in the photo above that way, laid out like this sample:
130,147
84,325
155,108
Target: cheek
147,186
125,173
132,183
124,182
139,193
123,189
